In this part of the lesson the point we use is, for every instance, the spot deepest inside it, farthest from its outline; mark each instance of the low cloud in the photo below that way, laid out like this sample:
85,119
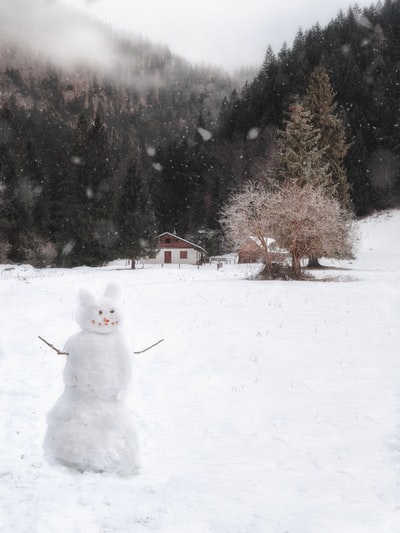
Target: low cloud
64,35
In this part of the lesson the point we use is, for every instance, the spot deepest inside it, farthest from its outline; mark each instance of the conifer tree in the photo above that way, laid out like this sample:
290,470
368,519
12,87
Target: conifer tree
71,203
68,201
300,157
96,176
320,101
136,219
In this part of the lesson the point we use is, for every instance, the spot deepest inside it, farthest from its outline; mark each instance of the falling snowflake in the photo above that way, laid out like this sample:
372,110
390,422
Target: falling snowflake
151,151
205,134
253,133
67,249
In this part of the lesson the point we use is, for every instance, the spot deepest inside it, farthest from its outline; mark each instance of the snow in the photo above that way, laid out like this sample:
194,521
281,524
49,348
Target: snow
205,134
269,407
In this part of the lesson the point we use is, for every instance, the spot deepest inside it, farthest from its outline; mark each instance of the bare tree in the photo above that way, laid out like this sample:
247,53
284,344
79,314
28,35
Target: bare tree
302,219
247,214
308,222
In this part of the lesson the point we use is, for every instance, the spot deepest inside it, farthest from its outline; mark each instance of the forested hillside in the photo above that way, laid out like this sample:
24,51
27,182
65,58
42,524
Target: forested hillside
361,52
86,158
94,163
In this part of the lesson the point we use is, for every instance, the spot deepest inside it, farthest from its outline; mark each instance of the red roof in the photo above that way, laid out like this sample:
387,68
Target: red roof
188,243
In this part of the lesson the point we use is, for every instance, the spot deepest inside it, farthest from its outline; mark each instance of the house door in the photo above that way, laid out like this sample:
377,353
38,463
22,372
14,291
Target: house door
167,257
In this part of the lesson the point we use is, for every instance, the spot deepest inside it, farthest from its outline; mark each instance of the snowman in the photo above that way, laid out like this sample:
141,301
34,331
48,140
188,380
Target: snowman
89,427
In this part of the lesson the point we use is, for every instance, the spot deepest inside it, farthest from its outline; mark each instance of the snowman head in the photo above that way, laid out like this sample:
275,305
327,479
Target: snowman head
100,315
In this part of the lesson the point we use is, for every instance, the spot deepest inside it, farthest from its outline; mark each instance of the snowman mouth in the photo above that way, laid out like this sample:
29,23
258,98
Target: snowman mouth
105,322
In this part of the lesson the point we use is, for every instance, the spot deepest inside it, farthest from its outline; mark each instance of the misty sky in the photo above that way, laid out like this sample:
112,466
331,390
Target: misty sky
224,33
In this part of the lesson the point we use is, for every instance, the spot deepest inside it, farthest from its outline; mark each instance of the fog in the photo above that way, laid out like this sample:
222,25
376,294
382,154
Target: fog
230,34
62,34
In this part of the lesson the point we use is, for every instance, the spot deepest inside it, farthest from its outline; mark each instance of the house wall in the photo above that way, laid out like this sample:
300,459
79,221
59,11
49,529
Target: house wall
249,252
179,251
193,256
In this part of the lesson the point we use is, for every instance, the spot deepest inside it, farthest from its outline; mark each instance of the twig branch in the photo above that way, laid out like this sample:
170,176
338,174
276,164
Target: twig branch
53,347
150,347
66,353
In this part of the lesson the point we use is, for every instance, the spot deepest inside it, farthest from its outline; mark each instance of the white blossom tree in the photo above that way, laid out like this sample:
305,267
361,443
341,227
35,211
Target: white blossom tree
247,214
302,219
310,223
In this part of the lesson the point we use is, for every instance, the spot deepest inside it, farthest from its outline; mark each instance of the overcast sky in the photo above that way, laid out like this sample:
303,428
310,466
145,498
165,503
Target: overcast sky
225,33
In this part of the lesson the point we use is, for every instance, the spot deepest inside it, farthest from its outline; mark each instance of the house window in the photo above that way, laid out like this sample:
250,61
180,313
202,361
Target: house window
167,240
183,254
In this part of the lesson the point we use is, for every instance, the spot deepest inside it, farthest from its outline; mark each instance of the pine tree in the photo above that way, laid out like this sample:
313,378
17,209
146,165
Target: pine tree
70,221
67,193
96,194
320,101
300,157
136,220
174,188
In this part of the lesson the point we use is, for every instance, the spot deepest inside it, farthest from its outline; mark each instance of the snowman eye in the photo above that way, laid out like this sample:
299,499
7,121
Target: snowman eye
100,312
112,311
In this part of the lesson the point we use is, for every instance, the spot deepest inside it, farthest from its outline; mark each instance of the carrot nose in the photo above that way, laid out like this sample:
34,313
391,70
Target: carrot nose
106,320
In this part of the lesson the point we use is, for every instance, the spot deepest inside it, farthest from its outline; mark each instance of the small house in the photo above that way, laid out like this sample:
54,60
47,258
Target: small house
172,249
251,251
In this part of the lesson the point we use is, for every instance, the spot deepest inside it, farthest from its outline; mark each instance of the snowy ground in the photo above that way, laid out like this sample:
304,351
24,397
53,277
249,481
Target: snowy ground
271,407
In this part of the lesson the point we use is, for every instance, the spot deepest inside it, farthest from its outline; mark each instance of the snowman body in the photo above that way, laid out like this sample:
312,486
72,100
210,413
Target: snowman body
90,427
98,364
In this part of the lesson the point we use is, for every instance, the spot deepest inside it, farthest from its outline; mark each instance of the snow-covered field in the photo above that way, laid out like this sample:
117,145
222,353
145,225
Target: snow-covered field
271,407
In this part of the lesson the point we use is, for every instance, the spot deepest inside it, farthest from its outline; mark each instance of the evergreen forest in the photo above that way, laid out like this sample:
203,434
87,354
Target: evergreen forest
93,166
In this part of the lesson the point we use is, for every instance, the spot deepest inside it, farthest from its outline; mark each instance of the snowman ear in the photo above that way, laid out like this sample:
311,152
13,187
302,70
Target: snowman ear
112,291
85,297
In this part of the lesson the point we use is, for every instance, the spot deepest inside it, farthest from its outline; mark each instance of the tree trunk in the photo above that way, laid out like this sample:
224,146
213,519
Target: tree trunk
296,265
133,263
267,270
313,262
